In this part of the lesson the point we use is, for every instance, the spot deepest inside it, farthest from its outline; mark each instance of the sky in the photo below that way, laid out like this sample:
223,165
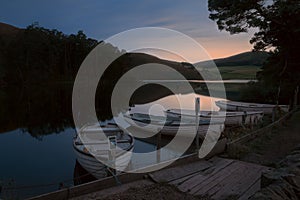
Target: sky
101,19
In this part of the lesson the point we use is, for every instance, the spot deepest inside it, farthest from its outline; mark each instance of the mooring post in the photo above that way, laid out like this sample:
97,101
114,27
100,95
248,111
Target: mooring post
158,142
197,109
244,117
274,114
112,143
296,97
158,147
251,123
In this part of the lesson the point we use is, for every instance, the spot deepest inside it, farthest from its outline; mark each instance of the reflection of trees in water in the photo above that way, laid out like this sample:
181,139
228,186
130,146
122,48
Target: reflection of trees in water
38,110
44,110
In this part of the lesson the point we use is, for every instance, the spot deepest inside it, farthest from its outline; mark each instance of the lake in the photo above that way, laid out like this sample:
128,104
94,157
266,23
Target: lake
37,130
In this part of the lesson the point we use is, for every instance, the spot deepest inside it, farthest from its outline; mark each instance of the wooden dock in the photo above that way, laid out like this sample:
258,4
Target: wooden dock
217,178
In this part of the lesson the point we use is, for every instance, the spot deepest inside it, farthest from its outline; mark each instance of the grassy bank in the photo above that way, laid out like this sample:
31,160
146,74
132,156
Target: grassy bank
239,72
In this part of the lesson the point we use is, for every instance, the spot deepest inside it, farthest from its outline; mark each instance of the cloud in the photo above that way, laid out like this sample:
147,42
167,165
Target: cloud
101,19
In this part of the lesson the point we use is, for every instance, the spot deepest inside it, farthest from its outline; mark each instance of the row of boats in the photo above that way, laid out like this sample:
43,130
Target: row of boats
119,143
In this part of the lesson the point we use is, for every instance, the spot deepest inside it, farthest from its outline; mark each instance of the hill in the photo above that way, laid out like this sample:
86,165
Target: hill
135,59
246,58
7,34
35,54
38,54
242,59
241,66
8,30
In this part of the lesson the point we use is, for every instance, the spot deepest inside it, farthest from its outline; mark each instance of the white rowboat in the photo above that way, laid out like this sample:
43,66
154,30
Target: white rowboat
242,106
229,118
91,152
155,124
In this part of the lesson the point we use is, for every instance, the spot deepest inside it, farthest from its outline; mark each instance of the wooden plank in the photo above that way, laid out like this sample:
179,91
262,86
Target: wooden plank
215,179
224,185
218,164
253,188
248,180
237,183
174,173
183,179
191,183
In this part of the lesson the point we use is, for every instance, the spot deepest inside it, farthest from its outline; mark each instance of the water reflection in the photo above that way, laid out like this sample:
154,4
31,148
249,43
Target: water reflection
43,110
36,127
37,110
170,102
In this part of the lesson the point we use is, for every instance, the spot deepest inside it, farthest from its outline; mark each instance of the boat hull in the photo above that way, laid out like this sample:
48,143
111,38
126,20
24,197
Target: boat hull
91,165
228,118
240,106
92,152
98,169
187,130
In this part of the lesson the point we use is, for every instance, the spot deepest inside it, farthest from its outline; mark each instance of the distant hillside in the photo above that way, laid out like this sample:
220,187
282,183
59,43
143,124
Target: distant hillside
6,29
242,59
129,61
240,66
35,54
183,68
7,34
246,58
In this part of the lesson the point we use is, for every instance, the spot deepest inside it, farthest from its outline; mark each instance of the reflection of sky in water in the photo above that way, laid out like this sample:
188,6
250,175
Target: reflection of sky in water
187,101
143,160
51,160
29,161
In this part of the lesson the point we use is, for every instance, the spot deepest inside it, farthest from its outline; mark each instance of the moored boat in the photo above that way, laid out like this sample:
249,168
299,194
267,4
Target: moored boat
116,149
229,118
166,126
243,106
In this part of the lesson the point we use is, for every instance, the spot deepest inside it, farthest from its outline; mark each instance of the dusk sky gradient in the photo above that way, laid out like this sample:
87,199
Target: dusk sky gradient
102,19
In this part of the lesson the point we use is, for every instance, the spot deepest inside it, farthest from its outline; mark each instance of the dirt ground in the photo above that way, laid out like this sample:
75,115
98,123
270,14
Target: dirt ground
272,147
153,192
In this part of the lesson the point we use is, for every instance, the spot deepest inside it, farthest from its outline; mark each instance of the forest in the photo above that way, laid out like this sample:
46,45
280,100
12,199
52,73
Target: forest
37,55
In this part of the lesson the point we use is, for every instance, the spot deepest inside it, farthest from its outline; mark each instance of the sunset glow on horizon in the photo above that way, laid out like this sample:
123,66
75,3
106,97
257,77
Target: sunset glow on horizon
214,48
103,19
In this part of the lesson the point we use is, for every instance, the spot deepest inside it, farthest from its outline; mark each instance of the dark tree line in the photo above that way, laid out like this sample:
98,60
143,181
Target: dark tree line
37,54
278,23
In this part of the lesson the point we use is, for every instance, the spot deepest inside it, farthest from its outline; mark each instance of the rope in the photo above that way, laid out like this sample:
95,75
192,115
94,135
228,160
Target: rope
115,176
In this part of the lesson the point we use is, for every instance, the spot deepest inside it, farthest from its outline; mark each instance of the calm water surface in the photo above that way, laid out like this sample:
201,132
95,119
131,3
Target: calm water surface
36,132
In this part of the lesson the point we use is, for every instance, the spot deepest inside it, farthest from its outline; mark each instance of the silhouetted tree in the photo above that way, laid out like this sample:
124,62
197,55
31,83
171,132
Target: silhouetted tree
278,23
38,55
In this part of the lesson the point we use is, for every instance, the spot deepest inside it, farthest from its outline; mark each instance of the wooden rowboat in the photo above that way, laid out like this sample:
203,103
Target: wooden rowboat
91,152
229,118
155,124
243,106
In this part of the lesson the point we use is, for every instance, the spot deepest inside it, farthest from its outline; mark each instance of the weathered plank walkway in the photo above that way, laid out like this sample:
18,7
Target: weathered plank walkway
218,178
